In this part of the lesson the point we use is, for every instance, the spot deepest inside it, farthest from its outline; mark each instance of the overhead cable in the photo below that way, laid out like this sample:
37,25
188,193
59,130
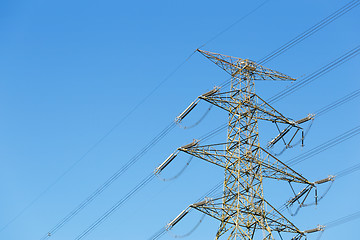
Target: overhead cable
158,234
324,146
315,75
343,220
108,182
348,171
110,211
234,23
338,102
324,22
315,28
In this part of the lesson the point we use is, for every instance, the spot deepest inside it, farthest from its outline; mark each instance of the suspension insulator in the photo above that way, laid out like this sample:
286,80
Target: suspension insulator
166,162
209,93
186,111
177,219
317,229
278,137
190,145
202,203
328,179
299,195
305,119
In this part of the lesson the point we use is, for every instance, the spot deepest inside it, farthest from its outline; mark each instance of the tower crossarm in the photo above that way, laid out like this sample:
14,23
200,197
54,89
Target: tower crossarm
212,153
234,66
271,167
276,169
264,111
277,221
274,219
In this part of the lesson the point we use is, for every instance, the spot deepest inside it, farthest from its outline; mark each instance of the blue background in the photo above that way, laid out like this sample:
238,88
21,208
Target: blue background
70,70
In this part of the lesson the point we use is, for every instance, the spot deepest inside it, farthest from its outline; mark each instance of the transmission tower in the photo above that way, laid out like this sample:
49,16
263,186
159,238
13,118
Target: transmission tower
242,210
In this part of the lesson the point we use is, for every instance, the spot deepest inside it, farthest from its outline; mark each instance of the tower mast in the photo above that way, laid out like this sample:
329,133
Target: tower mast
242,210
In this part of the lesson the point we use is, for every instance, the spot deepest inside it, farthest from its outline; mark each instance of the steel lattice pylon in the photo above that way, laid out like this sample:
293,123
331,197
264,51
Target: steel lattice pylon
242,209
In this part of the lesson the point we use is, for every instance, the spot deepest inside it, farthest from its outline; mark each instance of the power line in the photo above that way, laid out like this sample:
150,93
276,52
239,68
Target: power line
109,181
315,28
324,22
158,234
348,171
326,145
315,75
143,183
338,102
110,211
337,222
234,23
343,220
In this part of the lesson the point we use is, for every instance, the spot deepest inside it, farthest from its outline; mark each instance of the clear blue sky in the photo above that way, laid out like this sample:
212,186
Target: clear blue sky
70,70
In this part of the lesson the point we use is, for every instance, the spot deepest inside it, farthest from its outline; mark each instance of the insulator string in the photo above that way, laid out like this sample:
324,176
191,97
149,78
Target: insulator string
192,230
179,173
200,120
